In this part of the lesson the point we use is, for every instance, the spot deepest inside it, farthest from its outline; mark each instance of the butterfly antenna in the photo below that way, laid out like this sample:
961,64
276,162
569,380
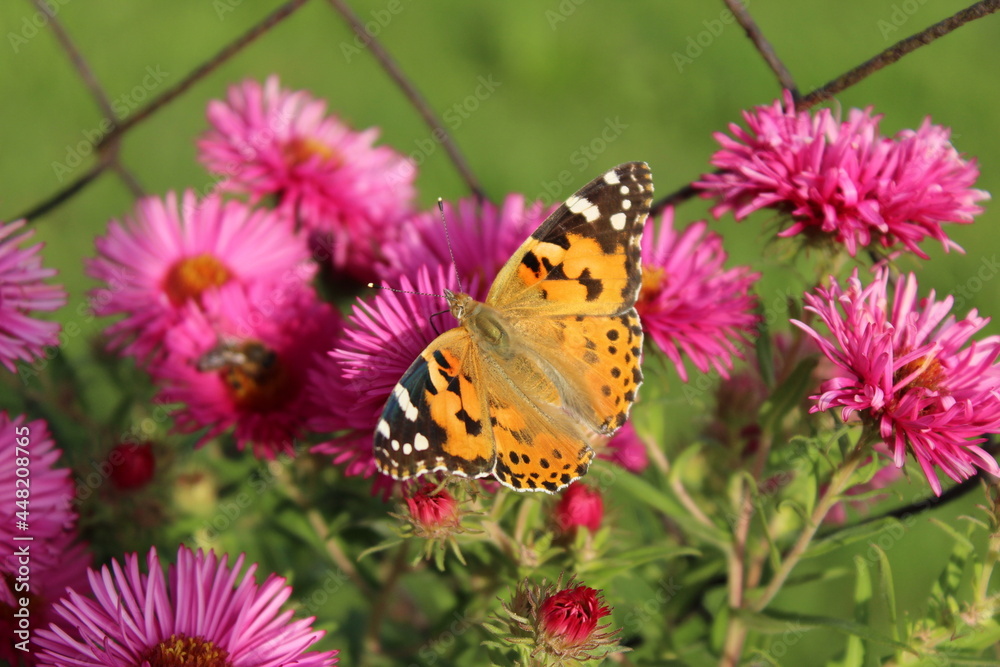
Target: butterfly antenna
451,251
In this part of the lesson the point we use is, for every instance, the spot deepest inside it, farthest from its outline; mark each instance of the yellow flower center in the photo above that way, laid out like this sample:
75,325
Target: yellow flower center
191,276
930,374
302,149
652,282
184,651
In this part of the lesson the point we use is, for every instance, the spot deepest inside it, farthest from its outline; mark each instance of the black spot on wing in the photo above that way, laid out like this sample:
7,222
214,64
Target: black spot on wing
595,286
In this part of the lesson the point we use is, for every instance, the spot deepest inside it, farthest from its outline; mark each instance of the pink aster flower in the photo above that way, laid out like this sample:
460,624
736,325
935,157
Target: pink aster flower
269,141
241,362
909,374
626,449
50,509
843,180
482,236
381,338
579,506
163,257
23,291
689,304
203,609
56,565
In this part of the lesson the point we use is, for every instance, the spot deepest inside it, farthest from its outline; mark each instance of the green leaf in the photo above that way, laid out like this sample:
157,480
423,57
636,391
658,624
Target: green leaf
649,495
847,536
887,590
788,395
773,622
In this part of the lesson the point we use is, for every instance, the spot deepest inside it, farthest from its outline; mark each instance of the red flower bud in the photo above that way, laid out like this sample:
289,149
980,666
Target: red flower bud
132,465
580,505
433,510
569,618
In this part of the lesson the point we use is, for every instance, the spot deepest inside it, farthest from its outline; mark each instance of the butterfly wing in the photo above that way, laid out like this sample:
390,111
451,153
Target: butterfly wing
539,445
568,296
585,258
433,419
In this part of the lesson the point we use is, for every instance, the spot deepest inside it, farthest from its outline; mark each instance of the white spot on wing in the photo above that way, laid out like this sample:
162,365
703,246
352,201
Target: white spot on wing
584,207
395,445
420,442
618,221
407,449
383,428
611,178
626,204
623,189
403,397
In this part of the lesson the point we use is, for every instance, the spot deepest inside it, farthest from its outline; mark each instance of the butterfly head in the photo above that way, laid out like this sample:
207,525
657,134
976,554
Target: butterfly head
461,305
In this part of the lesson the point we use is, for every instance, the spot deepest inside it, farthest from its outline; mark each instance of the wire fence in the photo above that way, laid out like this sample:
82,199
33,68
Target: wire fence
106,149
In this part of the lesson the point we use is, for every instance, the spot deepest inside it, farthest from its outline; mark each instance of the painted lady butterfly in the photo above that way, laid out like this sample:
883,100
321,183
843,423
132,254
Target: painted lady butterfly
550,358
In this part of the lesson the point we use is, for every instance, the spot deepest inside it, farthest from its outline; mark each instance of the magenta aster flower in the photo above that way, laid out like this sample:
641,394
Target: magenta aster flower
689,304
843,180
381,338
203,610
626,449
161,258
269,141
908,375
579,506
23,291
241,361
482,236
56,565
50,510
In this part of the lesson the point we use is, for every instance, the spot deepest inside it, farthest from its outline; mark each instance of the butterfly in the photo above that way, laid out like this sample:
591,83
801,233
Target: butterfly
548,360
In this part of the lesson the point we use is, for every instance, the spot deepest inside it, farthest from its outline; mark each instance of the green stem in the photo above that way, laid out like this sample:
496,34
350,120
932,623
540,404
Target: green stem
829,498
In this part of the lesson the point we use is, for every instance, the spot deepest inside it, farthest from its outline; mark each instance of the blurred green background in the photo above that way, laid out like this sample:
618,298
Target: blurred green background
566,70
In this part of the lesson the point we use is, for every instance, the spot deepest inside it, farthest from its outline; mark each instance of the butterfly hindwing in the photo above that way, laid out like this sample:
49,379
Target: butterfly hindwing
585,258
433,420
601,378
539,445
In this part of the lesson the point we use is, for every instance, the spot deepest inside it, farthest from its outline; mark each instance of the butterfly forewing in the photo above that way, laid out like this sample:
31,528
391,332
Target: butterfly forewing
585,258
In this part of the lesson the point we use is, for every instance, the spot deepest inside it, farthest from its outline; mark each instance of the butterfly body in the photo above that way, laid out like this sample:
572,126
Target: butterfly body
550,359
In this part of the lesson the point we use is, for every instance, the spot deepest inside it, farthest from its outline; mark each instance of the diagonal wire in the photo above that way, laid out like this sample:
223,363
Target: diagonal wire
413,95
53,201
